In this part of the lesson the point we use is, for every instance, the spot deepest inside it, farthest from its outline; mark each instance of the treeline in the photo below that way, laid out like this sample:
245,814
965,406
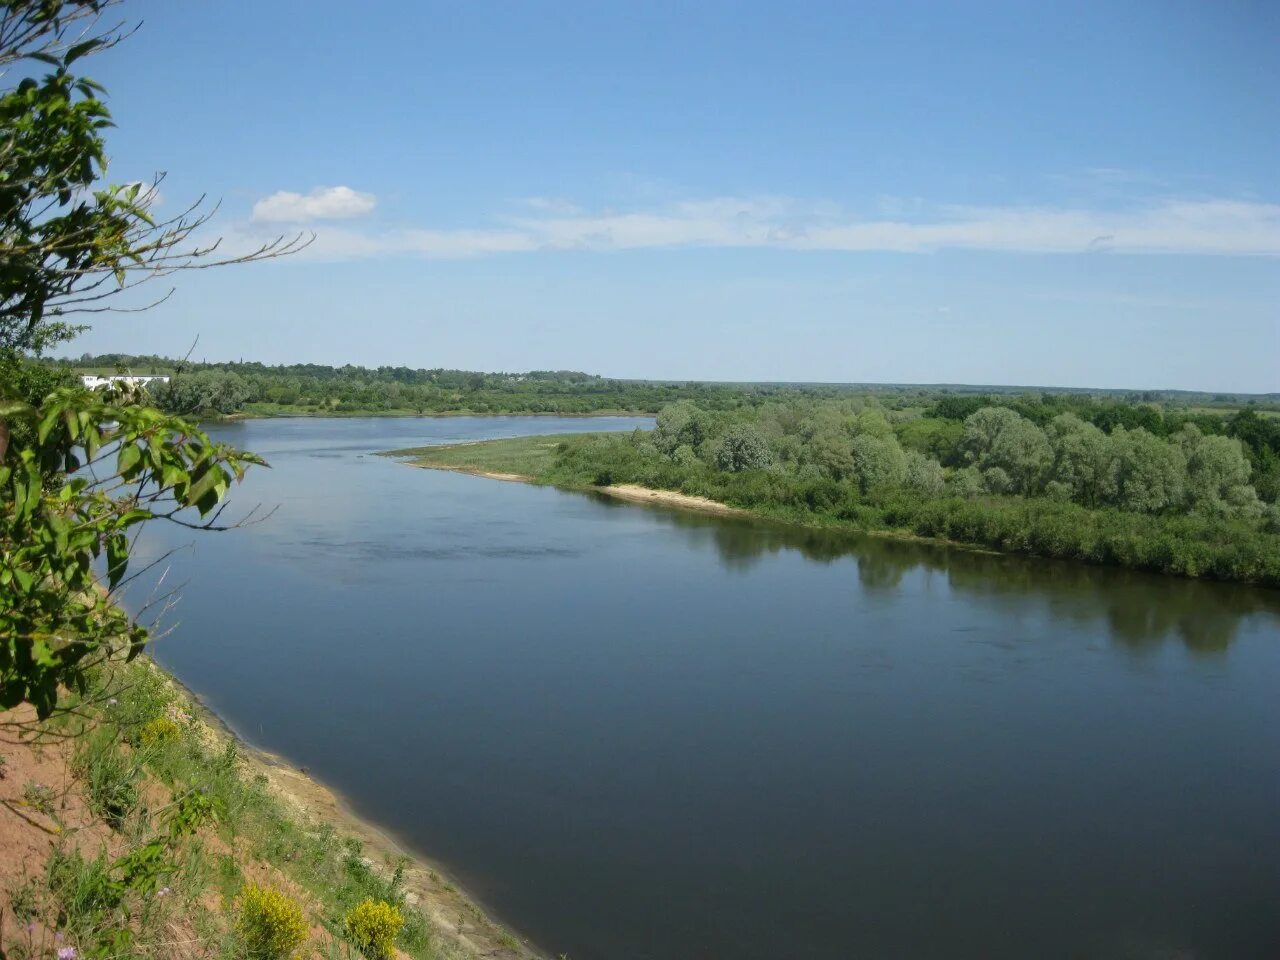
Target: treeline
1180,501
219,389
1259,433
201,389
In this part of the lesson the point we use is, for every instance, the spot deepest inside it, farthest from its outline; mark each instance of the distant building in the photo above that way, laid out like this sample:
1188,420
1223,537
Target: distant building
93,382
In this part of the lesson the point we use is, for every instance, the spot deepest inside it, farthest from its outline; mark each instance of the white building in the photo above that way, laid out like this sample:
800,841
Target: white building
94,382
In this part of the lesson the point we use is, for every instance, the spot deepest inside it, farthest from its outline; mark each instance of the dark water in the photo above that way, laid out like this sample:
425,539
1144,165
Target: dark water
645,734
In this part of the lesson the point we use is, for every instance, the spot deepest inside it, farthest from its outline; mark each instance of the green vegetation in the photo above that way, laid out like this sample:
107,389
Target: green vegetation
157,822
255,389
79,473
197,825
1162,495
373,926
269,924
525,456
210,390
76,483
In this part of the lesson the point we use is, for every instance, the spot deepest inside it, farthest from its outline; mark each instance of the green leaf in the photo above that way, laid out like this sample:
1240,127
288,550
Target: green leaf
205,484
80,49
127,461
137,515
117,558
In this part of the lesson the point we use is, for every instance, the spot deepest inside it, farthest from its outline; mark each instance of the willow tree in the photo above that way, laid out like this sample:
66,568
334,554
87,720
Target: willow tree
81,474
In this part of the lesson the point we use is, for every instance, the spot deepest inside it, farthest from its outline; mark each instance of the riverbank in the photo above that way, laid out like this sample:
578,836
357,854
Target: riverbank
82,793
626,491
1190,545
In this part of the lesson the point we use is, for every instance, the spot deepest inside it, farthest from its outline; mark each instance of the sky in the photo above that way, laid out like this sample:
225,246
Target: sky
1081,194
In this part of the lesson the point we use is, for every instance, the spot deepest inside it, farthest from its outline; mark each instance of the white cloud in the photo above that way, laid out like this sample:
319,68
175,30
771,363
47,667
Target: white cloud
322,203
556,205
1191,227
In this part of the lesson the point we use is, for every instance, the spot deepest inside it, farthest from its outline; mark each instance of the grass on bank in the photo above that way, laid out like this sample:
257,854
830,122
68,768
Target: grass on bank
532,457
1185,545
164,841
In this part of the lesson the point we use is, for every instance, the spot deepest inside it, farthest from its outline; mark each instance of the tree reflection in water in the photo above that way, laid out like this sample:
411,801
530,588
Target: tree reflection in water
1141,610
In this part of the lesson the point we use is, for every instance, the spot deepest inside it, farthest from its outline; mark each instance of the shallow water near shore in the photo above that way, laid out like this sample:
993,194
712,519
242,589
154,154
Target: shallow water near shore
639,733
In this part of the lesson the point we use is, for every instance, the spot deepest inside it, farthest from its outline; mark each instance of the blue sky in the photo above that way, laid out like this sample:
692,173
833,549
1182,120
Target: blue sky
1057,194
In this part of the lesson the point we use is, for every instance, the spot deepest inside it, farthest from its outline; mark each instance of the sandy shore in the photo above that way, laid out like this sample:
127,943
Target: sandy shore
669,498
623,491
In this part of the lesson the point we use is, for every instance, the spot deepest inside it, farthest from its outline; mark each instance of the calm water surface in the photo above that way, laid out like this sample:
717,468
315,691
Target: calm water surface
636,733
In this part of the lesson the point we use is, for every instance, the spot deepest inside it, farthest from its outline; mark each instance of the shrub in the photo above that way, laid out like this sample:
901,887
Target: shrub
923,475
996,480
877,461
373,926
157,731
270,925
684,456
743,448
966,482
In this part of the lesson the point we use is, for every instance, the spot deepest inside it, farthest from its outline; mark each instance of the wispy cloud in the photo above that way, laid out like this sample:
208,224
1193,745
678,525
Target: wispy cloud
322,203
1194,227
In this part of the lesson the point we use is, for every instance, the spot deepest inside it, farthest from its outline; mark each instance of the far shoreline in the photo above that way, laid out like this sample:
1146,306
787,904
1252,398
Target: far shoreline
675,500
427,458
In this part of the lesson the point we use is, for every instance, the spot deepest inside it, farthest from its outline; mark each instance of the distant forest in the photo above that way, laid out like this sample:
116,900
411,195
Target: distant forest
210,389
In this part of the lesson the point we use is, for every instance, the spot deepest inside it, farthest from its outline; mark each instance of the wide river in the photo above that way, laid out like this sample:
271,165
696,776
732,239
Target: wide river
641,733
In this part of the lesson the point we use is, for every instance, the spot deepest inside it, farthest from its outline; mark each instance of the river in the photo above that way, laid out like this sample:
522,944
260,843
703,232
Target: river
638,733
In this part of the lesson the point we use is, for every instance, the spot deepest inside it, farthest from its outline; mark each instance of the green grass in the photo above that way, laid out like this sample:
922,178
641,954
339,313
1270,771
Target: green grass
172,802
531,457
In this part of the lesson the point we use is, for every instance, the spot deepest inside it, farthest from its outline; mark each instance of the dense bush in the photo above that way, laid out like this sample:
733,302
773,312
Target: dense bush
269,924
203,393
373,926
741,448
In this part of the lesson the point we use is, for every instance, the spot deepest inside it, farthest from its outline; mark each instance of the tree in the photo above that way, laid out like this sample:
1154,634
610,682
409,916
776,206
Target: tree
1146,474
202,393
743,448
124,464
965,482
877,461
996,480
70,243
679,424
1080,458
685,456
871,422
1217,474
80,474
922,474
829,450
1000,437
